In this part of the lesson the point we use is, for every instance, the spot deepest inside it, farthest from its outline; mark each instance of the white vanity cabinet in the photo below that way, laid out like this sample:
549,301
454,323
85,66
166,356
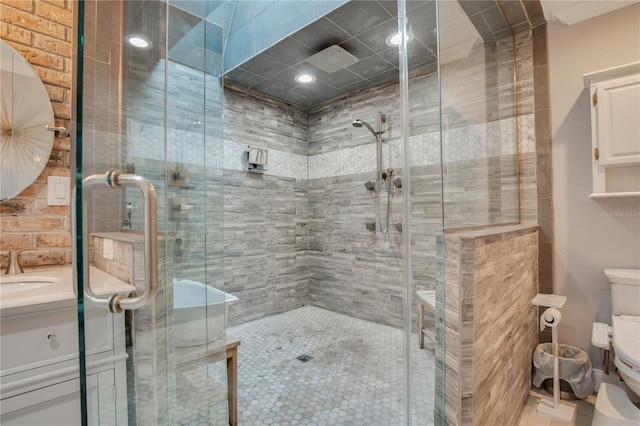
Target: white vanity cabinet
39,381
615,130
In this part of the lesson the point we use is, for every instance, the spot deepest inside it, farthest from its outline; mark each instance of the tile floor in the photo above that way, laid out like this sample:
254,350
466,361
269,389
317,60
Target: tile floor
353,377
582,417
201,395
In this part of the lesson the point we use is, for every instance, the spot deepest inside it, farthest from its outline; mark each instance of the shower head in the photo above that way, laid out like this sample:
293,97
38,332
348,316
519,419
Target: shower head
360,123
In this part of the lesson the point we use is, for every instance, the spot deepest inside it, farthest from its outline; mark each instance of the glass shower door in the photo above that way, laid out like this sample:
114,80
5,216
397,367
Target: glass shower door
148,128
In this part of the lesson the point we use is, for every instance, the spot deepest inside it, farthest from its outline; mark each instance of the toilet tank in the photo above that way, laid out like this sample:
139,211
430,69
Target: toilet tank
625,291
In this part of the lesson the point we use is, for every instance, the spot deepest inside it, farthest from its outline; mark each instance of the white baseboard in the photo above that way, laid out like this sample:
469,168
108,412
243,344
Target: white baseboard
600,378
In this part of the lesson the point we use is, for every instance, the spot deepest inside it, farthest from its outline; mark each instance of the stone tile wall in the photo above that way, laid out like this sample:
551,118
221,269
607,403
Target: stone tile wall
544,176
536,178
190,208
41,31
490,326
266,259
266,262
527,124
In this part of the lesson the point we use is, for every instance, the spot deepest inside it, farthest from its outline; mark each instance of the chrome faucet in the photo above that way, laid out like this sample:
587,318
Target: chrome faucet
14,267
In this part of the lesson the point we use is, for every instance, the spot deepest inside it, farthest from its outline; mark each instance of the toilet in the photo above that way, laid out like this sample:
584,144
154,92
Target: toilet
613,406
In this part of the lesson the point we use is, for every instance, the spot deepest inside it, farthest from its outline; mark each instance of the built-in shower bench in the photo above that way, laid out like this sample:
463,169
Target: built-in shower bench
427,302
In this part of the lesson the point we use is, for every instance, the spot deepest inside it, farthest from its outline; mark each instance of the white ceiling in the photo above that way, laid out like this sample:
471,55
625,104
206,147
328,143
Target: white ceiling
571,12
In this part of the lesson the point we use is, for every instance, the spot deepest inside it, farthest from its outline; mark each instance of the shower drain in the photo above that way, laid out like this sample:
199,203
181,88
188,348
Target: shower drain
305,358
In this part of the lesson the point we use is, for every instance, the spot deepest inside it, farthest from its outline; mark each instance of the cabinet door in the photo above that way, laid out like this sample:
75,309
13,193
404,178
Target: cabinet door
53,405
59,404
618,109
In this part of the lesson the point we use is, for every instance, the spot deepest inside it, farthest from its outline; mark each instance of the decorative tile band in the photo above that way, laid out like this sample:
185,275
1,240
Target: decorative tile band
462,143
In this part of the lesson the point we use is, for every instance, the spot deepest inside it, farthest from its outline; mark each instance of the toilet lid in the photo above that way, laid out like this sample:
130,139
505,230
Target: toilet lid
626,338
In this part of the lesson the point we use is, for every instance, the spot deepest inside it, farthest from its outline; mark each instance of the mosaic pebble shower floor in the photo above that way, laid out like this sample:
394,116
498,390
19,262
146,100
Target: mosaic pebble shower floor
355,376
352,375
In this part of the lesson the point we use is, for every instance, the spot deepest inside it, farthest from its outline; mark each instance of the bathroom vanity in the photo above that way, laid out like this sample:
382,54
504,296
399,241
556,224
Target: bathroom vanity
39,356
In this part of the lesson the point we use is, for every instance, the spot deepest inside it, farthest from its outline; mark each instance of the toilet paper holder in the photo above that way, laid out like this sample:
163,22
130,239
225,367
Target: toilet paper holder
549,300
550,318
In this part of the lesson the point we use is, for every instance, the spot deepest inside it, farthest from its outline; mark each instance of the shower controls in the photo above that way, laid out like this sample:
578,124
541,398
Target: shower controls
380,173
398,226
398,182
370,185
178,176
181,241
178,208
129,208
371,226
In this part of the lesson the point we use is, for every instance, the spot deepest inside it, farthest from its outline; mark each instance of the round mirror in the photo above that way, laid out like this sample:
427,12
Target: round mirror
25,143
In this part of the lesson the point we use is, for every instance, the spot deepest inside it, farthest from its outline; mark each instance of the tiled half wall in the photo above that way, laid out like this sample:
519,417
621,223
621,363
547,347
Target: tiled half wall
490,325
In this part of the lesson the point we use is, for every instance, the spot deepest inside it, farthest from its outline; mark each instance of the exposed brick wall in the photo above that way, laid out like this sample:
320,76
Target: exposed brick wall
42,32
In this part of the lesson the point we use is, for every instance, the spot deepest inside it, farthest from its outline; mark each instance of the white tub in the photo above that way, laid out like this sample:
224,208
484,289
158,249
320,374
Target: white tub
199,312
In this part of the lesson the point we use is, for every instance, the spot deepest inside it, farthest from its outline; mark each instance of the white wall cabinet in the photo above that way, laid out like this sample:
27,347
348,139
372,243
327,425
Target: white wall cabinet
40,371
615,130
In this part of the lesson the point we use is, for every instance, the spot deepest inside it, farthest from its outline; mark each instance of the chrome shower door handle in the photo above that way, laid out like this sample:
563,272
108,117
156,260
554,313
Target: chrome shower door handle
116,180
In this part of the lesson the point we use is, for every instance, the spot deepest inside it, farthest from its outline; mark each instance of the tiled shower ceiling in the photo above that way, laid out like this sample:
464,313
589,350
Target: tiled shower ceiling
361,28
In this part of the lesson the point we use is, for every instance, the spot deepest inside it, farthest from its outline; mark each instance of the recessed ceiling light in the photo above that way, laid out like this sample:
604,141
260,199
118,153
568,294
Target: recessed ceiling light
138,41
394,39
305,78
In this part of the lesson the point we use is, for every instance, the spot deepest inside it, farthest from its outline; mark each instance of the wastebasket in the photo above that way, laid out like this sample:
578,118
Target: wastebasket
574,367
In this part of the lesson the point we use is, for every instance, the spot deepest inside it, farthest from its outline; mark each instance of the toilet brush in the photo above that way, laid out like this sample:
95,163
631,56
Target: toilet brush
550,318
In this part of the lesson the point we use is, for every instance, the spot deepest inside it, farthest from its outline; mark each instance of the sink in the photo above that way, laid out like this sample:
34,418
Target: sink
18,283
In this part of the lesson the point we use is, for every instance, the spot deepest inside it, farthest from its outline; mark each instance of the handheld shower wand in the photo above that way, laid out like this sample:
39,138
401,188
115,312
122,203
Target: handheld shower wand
380,173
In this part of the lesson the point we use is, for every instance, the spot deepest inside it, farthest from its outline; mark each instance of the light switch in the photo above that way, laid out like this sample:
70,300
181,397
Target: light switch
58,192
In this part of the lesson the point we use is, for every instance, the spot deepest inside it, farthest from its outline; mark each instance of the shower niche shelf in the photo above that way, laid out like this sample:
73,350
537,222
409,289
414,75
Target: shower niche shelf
615,130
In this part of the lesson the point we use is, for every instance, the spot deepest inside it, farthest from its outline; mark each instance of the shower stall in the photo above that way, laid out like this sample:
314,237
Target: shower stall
179,92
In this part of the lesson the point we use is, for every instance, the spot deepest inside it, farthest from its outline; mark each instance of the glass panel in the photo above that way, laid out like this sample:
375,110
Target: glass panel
479,132
302,233
152,107
479,151
100,150
424,281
